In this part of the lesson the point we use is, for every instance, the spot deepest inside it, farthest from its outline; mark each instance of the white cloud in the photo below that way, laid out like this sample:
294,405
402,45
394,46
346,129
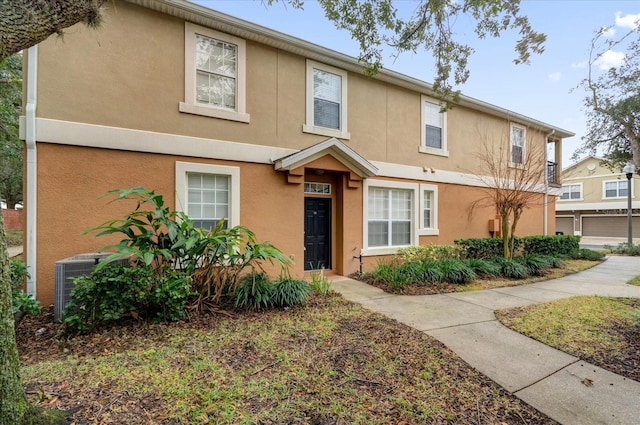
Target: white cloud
579,65
628,21
610,59
555,76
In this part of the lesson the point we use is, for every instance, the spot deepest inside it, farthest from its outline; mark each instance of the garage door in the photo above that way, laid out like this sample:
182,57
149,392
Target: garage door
609,226
564,225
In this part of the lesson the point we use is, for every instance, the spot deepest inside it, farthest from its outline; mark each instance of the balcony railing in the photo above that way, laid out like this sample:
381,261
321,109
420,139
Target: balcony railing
552,173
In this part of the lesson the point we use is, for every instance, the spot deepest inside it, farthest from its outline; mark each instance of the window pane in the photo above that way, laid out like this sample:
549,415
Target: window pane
378,233
208,196
401,204
216,72
516,154
401,233
378,204
426,213
433,136
432,117
326,114
427,219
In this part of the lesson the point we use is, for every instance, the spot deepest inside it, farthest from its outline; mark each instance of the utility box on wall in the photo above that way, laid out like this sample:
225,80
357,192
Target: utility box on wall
494,227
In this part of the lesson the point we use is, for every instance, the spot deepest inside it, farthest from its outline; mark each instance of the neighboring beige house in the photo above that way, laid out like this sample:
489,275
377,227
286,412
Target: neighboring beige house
231,120
594,201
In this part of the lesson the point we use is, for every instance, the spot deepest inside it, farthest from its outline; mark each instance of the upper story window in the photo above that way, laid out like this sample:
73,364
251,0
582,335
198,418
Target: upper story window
517,149
434,128
615,189
571,191
326,101
214,74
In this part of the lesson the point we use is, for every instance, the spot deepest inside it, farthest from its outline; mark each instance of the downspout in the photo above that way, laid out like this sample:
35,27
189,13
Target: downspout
545,213
30,141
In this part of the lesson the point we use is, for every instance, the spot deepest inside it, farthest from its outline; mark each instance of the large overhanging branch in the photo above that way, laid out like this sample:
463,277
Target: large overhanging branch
26,23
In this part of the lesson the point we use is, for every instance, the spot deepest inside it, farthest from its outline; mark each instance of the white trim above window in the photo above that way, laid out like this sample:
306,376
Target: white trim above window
391,210
433,135
611,189
571,192
326,102
221,60
517,145
428,210
183,169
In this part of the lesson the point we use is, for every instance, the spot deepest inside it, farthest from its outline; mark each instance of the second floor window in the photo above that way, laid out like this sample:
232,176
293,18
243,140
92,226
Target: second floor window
518,134
571,191
615,189
326,101
434,128
216,72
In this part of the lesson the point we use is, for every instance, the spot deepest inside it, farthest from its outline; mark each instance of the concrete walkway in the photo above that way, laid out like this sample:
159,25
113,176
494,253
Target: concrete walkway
563,387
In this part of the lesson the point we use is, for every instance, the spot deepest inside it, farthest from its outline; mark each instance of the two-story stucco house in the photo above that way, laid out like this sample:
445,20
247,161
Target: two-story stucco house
594,201
230,120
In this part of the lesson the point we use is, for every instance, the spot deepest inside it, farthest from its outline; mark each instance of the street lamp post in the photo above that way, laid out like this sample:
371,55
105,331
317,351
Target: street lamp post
628,170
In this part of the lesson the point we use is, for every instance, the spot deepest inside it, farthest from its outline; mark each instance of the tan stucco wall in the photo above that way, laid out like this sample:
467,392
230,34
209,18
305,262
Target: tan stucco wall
130,73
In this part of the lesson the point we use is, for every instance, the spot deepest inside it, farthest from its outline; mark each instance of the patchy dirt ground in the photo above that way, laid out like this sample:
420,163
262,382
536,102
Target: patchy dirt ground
328,363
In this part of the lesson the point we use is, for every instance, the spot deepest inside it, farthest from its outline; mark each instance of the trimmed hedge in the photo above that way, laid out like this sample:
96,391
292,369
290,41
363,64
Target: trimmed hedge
564,245
486,248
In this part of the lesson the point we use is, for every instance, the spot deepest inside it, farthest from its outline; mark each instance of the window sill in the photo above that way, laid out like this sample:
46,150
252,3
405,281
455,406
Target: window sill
323,131
517,165
208,111
570,200
428,232
433,151
383,250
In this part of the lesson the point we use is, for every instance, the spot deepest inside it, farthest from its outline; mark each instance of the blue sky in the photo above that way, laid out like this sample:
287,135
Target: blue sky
541,90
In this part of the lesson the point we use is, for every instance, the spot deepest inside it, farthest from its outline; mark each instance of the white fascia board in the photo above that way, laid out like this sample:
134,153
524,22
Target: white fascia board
125,139
583,206
333,147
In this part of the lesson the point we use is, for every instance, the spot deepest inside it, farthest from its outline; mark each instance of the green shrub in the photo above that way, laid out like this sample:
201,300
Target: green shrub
625,249
255,292
395,273
430,272
456,271
484,248
430,253
319,283
535,264
564,245
288,292
485,268
589,254
116,292
512,269
21,302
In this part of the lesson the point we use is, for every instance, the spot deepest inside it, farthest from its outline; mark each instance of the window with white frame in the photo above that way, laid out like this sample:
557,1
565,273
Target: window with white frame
326,101
208,193
615,189
429,209
434,128
571,191
518,136
215,74
390,217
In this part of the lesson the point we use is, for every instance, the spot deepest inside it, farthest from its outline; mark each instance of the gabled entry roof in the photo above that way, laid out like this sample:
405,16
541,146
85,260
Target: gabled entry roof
334,147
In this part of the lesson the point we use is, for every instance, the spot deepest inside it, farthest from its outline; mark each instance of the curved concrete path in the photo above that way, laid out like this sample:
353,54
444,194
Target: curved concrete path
563,387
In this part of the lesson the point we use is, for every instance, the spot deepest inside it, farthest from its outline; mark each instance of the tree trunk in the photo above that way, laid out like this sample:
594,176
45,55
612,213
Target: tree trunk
13,403
504,218
28,22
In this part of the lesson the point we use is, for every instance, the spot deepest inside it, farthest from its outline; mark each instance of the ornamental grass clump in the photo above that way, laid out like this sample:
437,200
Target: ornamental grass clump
485,268
288,292
512,269
537,265
456,271
254,292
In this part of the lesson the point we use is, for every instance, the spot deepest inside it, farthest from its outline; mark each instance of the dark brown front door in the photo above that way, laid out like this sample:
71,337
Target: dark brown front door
317,233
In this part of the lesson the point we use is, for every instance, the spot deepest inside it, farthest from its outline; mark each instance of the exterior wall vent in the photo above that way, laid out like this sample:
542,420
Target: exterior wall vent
69,268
